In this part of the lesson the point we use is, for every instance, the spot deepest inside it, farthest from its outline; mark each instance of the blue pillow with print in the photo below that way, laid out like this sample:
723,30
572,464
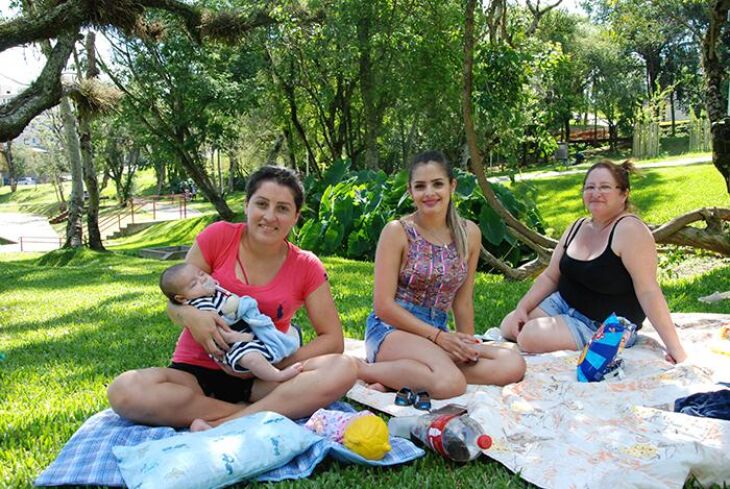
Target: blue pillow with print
236,450
600,355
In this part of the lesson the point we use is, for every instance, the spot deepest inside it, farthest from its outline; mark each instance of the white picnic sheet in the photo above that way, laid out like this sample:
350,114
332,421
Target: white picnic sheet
557,433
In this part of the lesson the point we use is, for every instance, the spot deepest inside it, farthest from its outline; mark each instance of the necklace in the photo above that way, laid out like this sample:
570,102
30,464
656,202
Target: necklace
431,236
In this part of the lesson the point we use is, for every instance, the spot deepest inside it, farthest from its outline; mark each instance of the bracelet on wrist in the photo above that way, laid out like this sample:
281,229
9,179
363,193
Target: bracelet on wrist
436,337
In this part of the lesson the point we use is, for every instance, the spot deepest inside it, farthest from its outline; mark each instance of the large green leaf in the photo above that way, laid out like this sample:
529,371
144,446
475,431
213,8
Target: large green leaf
359,246
309,235
332,239
465,183
492,226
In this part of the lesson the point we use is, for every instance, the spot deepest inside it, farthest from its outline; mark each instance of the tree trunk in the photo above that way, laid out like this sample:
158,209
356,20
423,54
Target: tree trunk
42,94
12,171
232,169
523,232
372,106
671,108
721,150
160,175
274,153
196,170
653,67
715,72
87,153
90,179
612,135
74,226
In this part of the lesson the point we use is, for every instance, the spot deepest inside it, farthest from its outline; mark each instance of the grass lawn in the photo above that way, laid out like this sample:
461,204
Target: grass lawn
659,194
71,322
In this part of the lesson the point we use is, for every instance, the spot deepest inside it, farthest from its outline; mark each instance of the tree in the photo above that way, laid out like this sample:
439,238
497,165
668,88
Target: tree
6,151
187,97
62,21
616,82
676,231
91,98
708,22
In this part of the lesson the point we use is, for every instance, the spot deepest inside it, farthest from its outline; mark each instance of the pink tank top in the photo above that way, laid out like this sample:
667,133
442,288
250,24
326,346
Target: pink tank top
431,274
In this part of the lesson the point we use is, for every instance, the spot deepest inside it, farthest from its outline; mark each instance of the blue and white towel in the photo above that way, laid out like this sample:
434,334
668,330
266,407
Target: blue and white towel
87,458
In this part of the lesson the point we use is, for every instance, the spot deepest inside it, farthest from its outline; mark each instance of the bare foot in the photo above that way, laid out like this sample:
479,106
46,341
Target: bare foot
199,425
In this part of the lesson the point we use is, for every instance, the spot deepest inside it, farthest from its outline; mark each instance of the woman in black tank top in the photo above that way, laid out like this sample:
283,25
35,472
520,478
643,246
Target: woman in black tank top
603,263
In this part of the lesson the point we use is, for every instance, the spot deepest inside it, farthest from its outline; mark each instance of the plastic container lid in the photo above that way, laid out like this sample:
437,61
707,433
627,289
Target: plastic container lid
484,441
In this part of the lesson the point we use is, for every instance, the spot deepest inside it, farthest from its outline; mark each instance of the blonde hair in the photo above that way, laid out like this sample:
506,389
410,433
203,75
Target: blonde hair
456,224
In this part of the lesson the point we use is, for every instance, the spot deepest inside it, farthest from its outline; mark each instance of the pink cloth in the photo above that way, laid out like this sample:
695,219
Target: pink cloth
300,275
331,424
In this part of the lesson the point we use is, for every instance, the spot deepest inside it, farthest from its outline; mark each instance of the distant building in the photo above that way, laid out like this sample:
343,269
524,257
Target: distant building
31,135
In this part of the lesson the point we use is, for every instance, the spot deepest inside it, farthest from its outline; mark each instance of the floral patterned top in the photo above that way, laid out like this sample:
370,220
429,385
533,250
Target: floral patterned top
431,274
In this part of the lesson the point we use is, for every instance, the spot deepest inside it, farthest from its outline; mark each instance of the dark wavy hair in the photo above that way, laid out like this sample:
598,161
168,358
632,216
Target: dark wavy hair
280,175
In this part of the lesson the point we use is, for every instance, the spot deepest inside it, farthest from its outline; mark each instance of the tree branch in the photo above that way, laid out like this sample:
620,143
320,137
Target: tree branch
476,159
43,93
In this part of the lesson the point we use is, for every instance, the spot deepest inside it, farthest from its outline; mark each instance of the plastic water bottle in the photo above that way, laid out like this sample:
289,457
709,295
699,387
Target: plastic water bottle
456,437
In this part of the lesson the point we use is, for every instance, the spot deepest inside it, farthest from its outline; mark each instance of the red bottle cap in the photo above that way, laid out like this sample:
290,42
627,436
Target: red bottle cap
484,441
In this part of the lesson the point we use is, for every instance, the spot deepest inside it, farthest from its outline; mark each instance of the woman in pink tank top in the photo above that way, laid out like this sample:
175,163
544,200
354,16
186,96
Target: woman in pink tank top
253,259
424,267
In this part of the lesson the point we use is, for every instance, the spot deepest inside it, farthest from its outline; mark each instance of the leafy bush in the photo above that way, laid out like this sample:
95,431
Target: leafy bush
345,212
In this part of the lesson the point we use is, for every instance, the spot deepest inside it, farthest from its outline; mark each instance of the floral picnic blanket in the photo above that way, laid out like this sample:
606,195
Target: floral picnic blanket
558,432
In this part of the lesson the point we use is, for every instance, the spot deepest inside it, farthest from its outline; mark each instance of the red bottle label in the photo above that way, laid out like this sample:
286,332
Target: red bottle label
436,430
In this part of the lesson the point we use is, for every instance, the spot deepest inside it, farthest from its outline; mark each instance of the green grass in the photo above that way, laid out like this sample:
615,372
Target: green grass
71,321
659,194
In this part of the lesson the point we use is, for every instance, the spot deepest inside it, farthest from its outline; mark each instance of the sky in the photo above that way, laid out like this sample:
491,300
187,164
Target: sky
20,66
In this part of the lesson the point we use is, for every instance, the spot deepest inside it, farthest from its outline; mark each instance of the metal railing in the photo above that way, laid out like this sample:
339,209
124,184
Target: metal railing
25,240
137,205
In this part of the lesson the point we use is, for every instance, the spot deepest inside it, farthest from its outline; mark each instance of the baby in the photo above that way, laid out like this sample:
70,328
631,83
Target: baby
256,344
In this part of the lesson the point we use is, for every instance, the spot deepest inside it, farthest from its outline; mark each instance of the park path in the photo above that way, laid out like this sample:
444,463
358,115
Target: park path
695,160
39,236
37,233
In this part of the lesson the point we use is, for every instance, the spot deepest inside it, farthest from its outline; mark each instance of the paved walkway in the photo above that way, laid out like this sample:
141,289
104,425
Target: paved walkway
28,232
697,160
36,233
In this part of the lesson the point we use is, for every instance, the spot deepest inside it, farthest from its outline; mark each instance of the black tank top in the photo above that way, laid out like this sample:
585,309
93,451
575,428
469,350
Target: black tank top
600,286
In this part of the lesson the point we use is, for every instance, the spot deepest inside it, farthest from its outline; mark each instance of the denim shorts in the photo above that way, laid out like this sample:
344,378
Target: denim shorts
376,329
579,325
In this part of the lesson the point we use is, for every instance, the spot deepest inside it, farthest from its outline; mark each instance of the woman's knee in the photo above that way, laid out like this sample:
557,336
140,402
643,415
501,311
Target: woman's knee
530,338
446,385
339,372
512,367
123,392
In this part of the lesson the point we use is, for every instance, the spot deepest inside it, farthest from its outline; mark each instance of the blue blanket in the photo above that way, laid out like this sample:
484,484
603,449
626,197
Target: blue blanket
87,458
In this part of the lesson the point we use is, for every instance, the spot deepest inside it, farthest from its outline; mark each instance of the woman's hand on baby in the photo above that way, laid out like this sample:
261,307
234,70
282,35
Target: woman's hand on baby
459,346
206,327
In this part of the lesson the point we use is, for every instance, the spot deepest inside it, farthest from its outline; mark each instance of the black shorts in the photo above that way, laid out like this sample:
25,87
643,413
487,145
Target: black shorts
217,383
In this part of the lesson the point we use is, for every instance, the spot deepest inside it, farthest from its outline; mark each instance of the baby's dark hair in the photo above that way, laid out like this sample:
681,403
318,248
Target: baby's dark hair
168,282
